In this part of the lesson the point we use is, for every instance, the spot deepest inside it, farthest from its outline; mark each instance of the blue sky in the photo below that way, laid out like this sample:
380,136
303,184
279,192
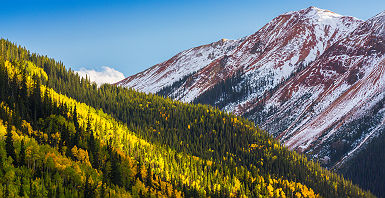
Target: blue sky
131,36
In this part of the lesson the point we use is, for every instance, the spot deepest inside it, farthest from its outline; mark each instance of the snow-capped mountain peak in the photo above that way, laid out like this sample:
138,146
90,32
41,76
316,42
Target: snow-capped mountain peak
289,40
318,12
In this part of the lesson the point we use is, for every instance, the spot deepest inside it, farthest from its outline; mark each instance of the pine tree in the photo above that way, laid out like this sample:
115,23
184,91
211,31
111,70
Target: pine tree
46,103
30,188
106,174
149,176
21,190
75,118
6,193
24,95
10,149
116,171
14,88
76,138
57,194
88,127
36,98
94,150
87,190
22,154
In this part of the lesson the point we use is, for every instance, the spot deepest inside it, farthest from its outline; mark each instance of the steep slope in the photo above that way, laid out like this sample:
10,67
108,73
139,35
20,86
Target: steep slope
335,107
182,64
345,83
283,46
286,45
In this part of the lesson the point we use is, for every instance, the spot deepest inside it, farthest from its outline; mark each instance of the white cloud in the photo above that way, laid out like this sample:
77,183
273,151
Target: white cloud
106,75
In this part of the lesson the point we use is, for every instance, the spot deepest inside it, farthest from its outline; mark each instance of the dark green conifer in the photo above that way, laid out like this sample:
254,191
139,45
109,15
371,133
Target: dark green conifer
22,154
10,149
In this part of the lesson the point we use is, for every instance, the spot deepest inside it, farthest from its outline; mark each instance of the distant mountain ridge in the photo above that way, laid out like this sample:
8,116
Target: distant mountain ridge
312,78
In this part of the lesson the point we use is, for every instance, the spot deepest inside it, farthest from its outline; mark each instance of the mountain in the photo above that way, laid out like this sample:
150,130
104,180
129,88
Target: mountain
340,86
334,108
312,78
61,136
272,54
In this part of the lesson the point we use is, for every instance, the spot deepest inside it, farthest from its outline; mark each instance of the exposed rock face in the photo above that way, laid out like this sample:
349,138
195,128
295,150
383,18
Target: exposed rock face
278,48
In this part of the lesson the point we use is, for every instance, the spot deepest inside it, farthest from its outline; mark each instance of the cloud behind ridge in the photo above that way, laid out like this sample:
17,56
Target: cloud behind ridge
106,75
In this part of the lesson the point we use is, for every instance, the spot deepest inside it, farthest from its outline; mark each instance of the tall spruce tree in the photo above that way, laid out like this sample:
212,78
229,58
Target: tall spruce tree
76,138
21,190
22,154
93,147
36,98
10,149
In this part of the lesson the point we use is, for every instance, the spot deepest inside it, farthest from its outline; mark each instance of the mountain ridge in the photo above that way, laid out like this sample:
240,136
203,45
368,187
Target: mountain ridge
213,65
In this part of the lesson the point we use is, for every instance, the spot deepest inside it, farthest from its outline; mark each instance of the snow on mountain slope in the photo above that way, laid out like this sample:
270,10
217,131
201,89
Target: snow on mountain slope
345,84
273,53
182,64
290,42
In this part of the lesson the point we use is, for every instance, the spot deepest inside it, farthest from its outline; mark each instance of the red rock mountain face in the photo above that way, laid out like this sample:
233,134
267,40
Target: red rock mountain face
319,106
277,49
313,78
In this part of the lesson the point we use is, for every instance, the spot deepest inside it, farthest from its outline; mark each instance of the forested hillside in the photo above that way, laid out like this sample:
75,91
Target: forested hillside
366,167
61,135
